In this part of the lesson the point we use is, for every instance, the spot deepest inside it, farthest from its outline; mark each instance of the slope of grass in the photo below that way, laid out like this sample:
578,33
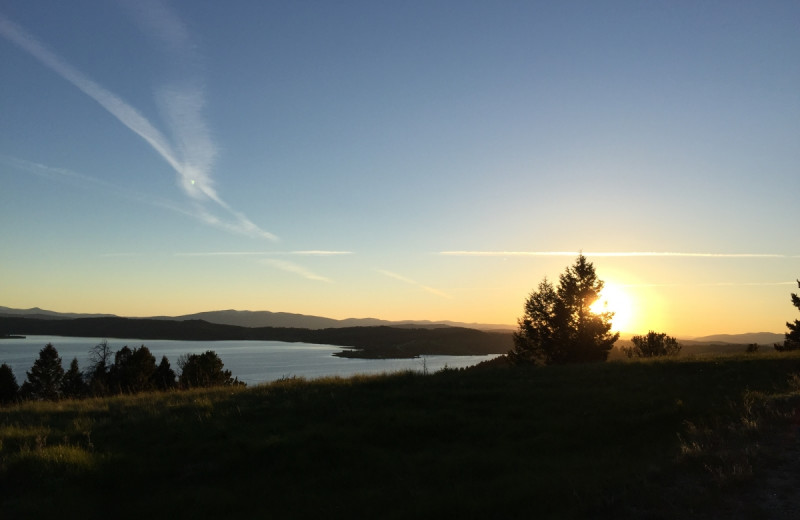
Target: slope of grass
656,439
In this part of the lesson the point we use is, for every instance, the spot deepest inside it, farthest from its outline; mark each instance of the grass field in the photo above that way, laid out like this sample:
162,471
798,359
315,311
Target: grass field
686,438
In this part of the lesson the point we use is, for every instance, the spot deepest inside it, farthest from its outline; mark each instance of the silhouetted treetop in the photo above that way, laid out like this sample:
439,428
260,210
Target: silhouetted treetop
46,376
558,325
165,376
73,385
133,371
792,341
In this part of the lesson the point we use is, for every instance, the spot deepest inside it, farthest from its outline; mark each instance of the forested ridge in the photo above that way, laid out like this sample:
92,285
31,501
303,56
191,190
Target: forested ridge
375,342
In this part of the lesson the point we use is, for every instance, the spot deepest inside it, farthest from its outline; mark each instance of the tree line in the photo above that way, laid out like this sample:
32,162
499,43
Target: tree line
127,371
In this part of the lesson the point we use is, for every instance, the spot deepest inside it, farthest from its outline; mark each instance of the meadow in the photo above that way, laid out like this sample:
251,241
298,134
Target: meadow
704,437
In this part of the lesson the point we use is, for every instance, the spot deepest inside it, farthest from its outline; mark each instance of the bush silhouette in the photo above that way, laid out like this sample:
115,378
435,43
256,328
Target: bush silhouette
9,389
652,344
203,370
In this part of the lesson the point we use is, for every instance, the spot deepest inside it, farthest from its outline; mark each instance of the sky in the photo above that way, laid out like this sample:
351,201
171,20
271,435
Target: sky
401,160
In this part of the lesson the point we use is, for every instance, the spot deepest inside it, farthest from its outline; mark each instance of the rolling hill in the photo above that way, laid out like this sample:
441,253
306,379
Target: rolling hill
255,319
365,342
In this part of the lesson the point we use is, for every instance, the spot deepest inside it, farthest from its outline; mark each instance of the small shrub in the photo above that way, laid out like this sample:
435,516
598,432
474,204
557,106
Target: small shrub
653,344
204,370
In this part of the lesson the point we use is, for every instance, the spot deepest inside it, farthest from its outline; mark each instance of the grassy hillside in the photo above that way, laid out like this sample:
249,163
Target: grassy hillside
685,438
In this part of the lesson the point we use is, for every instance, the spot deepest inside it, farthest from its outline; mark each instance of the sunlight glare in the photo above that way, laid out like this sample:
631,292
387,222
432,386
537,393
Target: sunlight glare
614,299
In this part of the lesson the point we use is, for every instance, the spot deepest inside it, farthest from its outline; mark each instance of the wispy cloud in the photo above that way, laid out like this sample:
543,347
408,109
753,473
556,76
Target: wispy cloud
293,268
162,25
316,252
192,151
711,284
409,281
267,253
86,181
51,172
613,254
119,255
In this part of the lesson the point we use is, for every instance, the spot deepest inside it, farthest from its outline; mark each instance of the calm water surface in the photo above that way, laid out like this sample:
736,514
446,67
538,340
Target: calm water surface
251,361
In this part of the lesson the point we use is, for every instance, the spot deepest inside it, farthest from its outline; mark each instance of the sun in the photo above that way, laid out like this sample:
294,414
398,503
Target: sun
614,299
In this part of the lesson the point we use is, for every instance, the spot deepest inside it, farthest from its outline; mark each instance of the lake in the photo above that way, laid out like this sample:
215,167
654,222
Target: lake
252,362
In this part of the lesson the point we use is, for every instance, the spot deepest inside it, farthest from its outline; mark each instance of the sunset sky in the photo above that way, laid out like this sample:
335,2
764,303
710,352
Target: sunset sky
401,160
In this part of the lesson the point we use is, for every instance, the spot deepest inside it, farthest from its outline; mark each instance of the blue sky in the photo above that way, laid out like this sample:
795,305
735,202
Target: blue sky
317,157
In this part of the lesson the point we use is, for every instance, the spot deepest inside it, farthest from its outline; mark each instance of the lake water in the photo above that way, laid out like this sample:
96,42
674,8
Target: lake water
252,362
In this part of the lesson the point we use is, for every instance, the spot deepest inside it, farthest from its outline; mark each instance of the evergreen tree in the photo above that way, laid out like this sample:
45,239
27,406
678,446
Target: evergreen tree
165,376
116,374
204,370
9,389
558,325
792,341
73,385
46,376
141,370
133,371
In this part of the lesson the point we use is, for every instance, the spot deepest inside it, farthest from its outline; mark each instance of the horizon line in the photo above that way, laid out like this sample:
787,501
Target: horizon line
680,335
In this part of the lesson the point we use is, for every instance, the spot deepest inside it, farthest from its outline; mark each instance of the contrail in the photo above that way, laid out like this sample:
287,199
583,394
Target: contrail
126,114
291,267
267,253
613,254
414,282
182,108
82,180
119,255
710,284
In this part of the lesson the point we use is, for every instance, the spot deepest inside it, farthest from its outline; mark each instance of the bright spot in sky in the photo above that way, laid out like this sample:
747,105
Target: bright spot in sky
614,299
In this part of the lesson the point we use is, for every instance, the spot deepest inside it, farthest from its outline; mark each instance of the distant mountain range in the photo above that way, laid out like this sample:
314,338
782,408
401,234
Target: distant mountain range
36,312
762,338
257,319
362,342
303,321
